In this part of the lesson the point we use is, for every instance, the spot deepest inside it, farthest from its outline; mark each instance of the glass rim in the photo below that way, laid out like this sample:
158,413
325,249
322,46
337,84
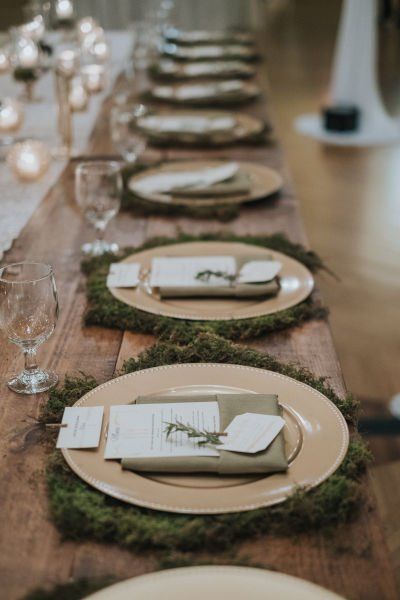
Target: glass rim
92,165
26,262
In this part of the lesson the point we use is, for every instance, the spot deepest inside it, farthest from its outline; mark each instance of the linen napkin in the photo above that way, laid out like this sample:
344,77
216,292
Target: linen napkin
208,52
195,124
229,91
270,460
235,290
168,181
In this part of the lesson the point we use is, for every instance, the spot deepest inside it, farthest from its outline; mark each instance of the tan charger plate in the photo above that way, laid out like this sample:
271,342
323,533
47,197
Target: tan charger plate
168,93
316,437
296,284
223,582
245,127
264,182
181,70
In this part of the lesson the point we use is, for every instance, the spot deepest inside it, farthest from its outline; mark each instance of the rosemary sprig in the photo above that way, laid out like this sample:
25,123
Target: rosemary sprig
207,274
208,437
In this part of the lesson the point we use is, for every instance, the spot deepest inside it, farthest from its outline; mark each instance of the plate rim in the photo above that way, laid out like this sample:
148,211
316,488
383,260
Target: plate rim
107,489
263,573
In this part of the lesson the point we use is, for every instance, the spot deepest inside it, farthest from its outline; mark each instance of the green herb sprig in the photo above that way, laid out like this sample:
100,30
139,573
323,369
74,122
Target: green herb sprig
208,273
207,437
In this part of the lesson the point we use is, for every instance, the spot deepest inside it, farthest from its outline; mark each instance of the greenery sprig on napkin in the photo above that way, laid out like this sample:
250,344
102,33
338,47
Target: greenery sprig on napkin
105,310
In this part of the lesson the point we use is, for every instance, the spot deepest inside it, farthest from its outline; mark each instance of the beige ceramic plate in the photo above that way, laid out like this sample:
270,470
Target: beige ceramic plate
245,126
296,284
316,438
170,93
223,582
264,182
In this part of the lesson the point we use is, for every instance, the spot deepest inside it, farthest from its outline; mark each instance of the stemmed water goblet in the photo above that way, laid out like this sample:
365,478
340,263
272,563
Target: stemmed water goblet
28,316
98,188
128,139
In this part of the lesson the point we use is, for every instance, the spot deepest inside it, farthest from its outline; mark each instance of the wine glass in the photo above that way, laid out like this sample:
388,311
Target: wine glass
28,316
98,188
128,139
25,60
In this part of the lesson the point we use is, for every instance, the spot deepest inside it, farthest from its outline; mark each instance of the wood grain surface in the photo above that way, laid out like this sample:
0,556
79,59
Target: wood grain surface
353,561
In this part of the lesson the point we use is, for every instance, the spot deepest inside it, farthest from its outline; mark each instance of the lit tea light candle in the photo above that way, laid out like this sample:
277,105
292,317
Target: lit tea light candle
34,29
64,9
100,51
28,55
94,78
68,62
86,26
28,160
11,115
78,96
4,61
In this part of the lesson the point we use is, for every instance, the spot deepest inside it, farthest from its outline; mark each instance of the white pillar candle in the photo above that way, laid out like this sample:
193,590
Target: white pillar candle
78,96
28,160
64,9
94,78
11,115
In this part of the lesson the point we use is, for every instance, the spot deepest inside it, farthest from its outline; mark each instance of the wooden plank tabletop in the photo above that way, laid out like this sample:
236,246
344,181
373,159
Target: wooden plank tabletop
353,561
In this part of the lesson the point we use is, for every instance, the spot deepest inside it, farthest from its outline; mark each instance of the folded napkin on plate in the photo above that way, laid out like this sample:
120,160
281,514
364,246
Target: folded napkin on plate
208,51
237,185
178,124
270,460
209,90
168,181
236,289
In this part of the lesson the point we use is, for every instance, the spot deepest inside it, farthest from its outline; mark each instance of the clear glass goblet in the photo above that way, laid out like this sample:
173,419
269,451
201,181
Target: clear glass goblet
28,316
98,188
128,139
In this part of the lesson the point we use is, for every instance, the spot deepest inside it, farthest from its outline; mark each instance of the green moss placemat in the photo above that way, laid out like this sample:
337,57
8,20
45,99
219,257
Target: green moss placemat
82,513
105,310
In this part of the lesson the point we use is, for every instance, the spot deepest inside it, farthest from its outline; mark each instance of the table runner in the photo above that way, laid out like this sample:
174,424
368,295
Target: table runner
19,200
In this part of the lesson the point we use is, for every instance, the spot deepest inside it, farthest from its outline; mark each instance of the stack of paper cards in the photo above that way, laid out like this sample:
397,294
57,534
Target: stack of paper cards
81,427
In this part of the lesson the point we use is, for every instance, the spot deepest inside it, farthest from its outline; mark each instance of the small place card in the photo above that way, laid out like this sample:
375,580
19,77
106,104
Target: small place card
82,427
138,430
123,275
251,432
256,271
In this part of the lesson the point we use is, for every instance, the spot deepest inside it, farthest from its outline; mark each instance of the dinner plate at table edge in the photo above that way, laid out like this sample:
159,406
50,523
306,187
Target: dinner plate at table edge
215,581
247,91
316,437
296,284
245,126
264,183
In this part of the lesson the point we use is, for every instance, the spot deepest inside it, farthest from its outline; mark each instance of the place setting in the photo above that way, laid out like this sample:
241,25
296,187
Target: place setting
222,36
202,127
203,438
210,280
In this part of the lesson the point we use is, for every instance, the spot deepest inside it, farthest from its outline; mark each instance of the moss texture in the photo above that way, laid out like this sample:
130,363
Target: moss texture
82,513
106,311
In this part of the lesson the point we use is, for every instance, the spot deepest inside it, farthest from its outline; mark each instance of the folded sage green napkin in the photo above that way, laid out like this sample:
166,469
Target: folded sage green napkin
234,290
271,460
237,185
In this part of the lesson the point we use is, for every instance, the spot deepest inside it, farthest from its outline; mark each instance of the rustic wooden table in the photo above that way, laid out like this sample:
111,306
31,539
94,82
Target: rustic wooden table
353,561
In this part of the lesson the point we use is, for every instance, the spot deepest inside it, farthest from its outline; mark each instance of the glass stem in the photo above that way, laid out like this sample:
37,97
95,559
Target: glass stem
30,361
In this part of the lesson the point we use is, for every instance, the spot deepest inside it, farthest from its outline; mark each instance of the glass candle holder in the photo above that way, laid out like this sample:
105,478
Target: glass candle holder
5,64
25,58
86,26
28,160
11,117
